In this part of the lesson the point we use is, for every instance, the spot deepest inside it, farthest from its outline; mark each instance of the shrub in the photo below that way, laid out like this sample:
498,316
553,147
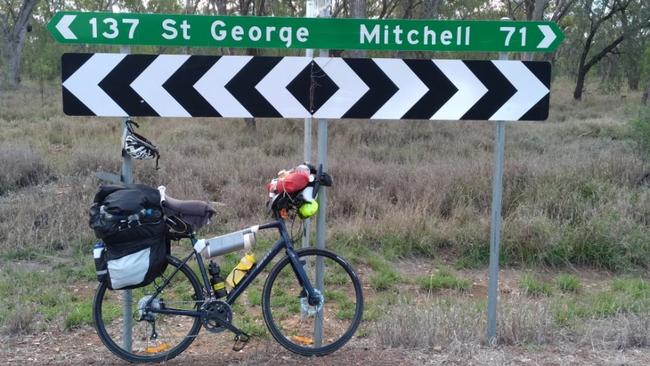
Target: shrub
21,167
531,286
443,279
567,283
384,280
640,126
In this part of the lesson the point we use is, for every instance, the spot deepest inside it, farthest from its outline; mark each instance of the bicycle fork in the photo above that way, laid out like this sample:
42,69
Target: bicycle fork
312,294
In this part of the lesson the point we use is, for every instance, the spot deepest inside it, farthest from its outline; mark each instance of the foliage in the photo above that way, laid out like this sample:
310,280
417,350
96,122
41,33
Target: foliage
443,279
532,286
640,126
567,283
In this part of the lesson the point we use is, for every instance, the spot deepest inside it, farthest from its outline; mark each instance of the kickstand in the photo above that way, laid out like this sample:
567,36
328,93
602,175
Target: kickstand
240,342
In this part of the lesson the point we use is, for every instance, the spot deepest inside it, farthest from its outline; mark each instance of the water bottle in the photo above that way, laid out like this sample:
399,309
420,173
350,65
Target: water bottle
101,268
230,242
241,270
216,281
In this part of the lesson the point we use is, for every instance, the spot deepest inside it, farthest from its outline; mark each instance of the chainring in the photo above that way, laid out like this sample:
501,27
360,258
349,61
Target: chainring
216,309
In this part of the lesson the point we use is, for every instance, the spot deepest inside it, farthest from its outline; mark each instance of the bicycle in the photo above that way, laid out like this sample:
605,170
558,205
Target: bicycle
312,299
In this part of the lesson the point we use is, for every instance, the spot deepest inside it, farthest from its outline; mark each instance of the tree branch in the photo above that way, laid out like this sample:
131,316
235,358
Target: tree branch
594,60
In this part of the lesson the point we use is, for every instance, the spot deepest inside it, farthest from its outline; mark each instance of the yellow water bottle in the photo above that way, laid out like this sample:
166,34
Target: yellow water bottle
240,270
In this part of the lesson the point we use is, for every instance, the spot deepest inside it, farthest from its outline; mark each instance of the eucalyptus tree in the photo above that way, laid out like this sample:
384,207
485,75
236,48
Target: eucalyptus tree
601,27
15,16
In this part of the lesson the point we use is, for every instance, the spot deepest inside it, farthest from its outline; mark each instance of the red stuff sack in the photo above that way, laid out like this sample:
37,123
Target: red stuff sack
291,183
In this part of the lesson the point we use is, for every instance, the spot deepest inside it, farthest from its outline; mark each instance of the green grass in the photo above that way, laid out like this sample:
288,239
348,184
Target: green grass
384,280
626,295
42,288
81,314
254,326
254,296
384,276
443,279
531,286
640,126
567,283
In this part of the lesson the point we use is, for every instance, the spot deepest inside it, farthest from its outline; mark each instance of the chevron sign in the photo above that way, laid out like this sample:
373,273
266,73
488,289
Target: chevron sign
296,87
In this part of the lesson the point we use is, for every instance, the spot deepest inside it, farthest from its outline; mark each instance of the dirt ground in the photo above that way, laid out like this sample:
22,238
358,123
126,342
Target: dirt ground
83,347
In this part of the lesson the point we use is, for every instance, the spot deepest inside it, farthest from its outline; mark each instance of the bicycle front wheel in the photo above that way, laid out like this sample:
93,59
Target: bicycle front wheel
151,337
331,319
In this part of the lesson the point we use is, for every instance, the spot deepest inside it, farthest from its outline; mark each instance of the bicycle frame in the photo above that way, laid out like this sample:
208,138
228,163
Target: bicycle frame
284,242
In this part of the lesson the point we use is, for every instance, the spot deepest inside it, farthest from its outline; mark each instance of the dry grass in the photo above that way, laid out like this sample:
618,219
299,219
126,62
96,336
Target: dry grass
573,195
457,325
21,167
410,187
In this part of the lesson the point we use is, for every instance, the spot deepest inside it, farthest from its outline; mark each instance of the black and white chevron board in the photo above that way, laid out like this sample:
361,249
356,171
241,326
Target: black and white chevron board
105,84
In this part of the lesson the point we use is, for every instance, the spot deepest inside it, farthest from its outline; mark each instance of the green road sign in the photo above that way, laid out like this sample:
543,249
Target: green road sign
277,32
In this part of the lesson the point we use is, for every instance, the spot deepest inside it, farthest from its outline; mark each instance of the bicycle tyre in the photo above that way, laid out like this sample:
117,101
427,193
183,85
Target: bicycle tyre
332,310
110,332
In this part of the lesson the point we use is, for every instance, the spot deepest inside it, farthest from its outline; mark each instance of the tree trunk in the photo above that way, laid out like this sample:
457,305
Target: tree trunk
221,6
645,99
536,14
633,80
358,10
580,84
431,8
585,66
14,56
14,40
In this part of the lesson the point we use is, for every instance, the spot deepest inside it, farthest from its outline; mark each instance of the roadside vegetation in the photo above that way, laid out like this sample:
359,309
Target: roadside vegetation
409,208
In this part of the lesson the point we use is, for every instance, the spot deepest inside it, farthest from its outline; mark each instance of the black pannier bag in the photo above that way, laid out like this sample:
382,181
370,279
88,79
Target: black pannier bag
128,218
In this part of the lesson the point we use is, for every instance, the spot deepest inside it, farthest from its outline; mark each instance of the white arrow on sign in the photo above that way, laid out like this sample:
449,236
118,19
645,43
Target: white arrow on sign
273,87
351,87
470,89
84,84
549,36
63,26
529,91
212,86
410,88
149,85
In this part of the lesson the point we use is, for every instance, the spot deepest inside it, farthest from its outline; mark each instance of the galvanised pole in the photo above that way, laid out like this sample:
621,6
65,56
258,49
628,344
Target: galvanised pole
495,225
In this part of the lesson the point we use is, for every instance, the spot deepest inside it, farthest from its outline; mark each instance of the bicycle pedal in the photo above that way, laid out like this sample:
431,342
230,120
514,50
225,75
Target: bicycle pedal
240,342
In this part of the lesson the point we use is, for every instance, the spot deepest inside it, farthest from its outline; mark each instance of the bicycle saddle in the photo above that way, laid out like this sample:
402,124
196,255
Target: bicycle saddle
195,213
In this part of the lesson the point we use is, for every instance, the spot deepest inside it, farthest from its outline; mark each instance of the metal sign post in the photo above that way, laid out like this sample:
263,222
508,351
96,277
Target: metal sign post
306,229
127,178
324,12
495,225
127,299
320,226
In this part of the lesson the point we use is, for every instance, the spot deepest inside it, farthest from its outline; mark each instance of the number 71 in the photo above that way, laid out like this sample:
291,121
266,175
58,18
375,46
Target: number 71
510,31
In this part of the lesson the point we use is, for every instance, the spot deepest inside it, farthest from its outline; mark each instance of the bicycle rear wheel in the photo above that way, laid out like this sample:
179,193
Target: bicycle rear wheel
290,318
155,337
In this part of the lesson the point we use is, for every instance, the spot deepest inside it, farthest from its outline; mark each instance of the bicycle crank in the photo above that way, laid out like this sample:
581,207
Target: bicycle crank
218,317
216,311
